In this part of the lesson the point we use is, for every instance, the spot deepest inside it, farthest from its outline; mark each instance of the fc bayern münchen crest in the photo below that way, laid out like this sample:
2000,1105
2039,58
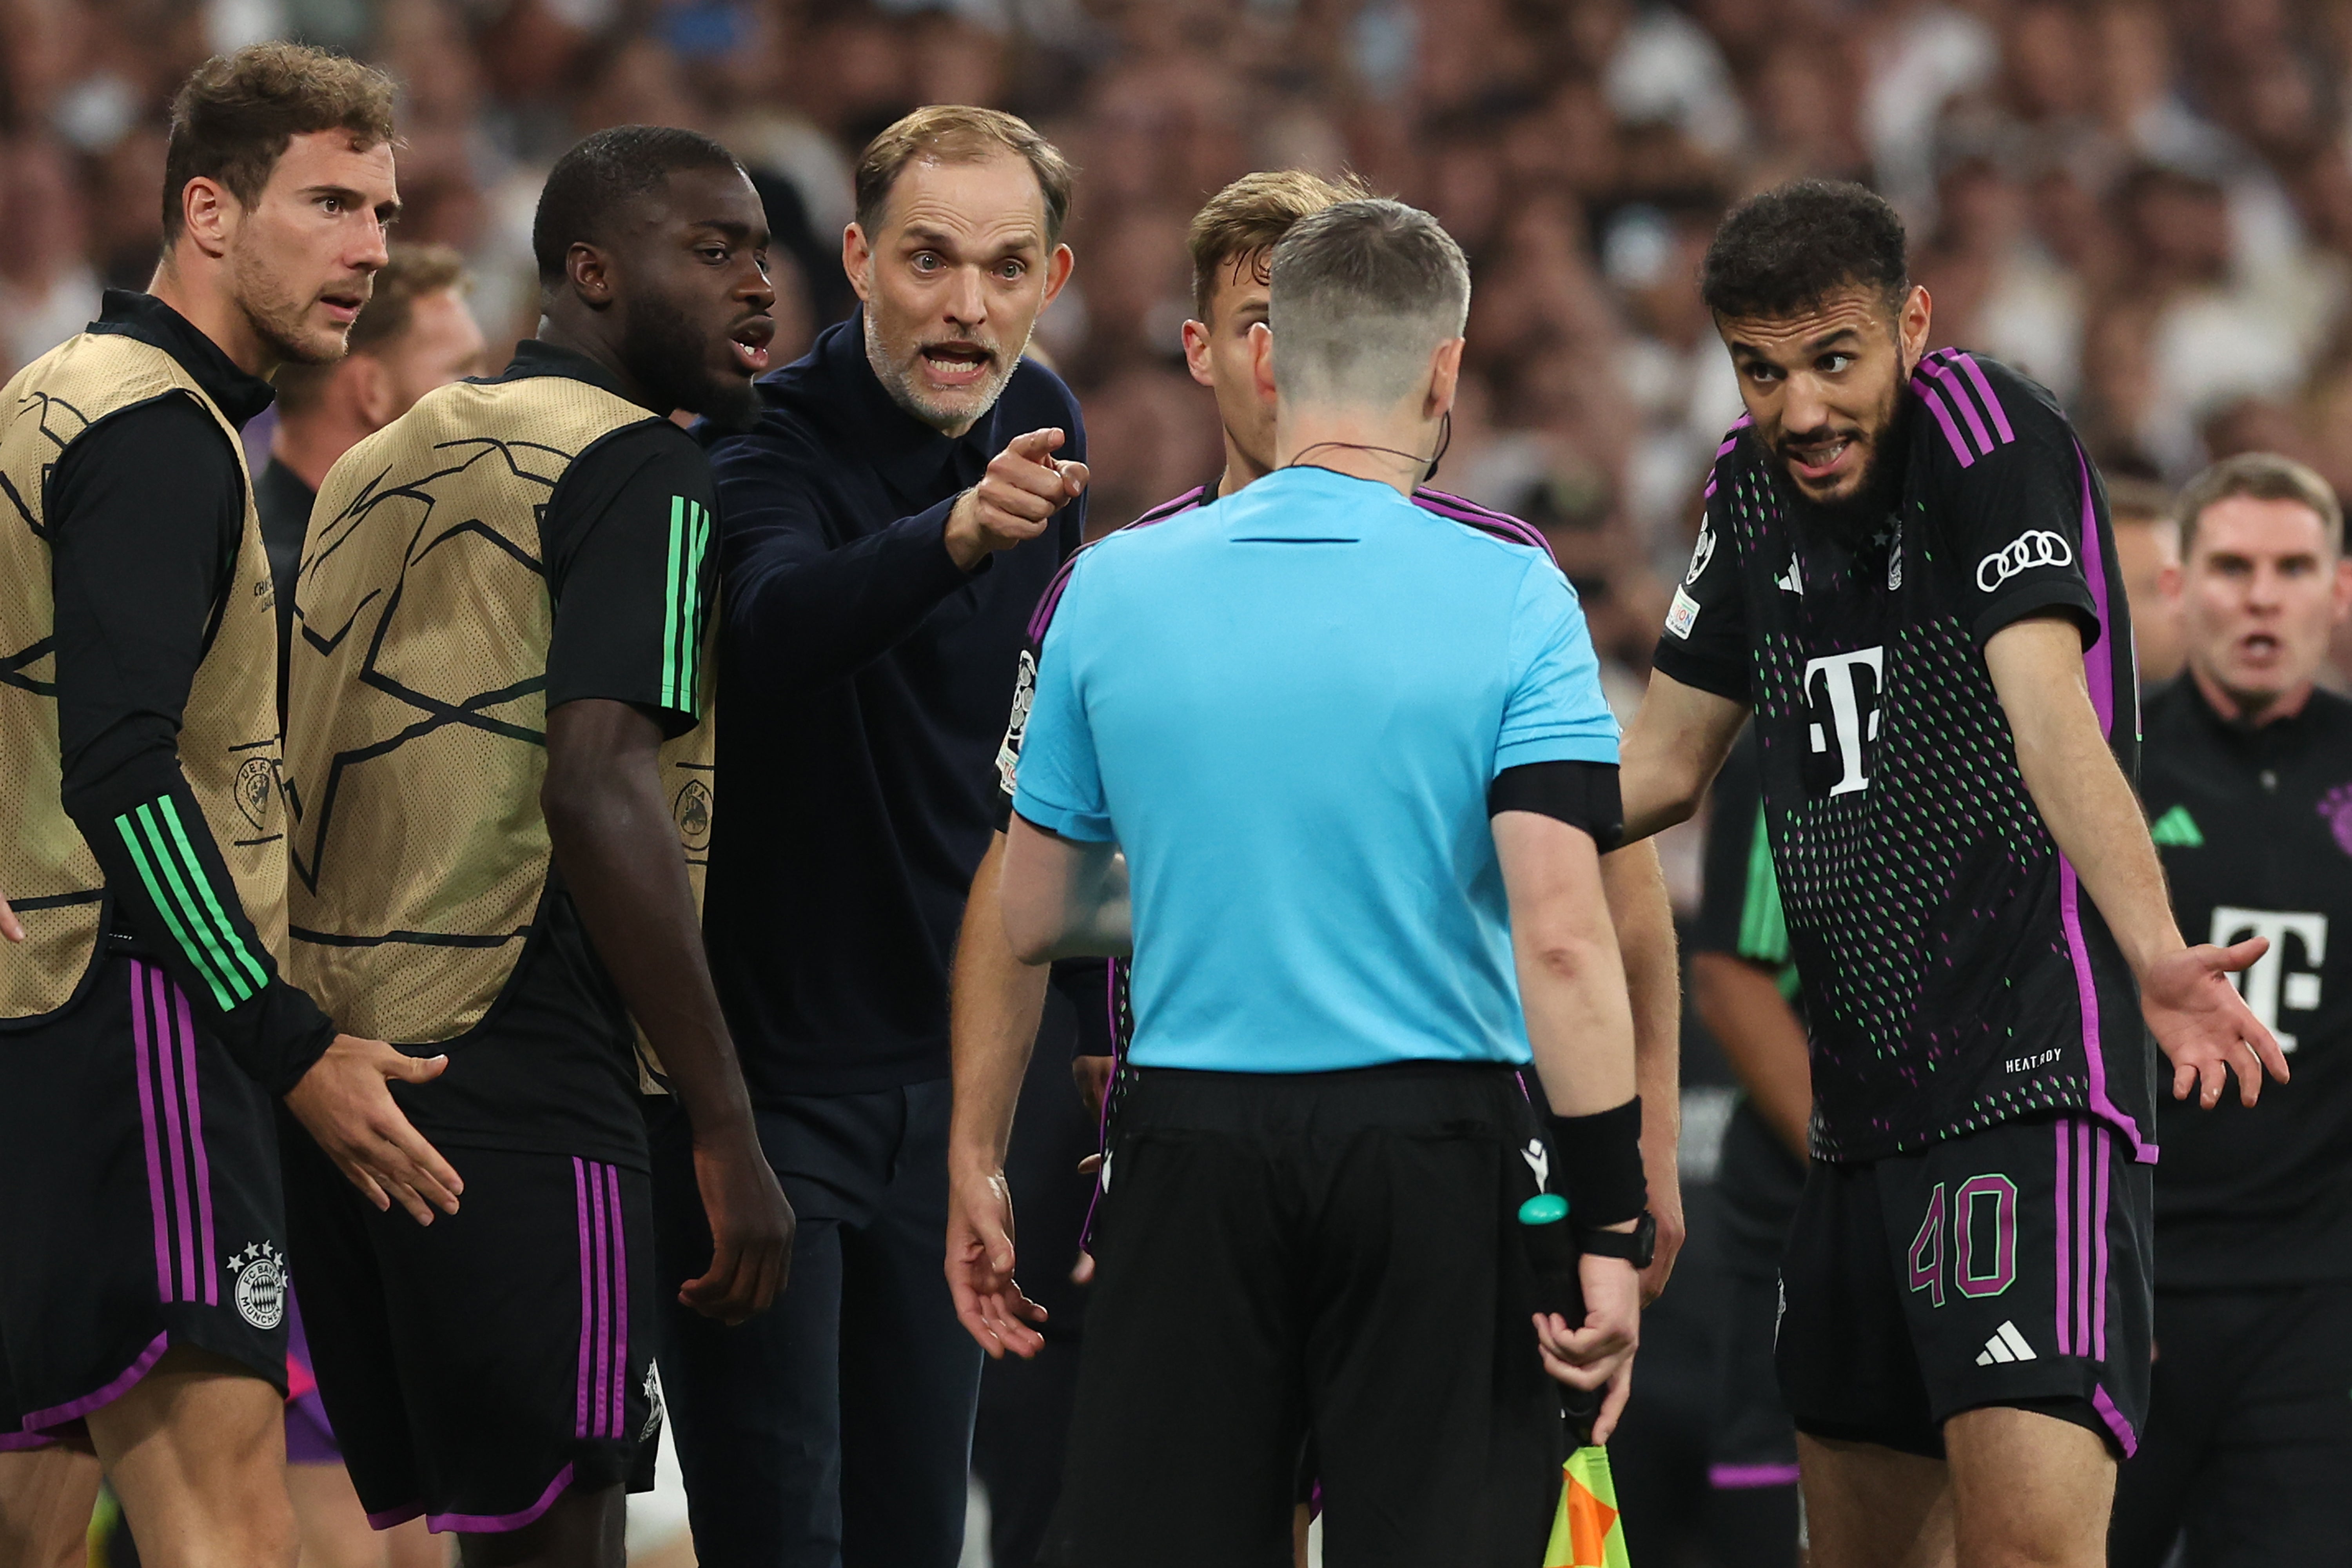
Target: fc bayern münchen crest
260,1289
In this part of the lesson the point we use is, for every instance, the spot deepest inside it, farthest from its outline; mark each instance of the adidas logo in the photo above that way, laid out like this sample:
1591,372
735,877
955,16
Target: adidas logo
2176,829
2006,1346
1791,581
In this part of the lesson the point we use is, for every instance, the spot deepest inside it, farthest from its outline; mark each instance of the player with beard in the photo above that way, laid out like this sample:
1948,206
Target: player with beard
501,786
1906,571
145,1024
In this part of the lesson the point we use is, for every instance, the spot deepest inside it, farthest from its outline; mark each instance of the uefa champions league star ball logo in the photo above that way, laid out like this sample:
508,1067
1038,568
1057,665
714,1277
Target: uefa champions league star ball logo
653,1406
255,782
692,810
260,1289
2335,806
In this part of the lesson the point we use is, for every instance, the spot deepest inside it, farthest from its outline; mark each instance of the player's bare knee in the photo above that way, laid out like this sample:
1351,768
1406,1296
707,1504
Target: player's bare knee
2033,1489
581,1530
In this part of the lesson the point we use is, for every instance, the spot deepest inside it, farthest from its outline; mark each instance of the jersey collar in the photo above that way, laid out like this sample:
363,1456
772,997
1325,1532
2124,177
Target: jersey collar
536,356
144,316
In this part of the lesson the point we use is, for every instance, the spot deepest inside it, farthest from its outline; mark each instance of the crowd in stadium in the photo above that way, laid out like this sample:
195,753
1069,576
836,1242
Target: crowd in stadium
2147,207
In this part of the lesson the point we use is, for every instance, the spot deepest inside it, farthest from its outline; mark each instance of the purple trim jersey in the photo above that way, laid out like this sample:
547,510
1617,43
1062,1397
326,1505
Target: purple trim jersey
1957,976
1470,514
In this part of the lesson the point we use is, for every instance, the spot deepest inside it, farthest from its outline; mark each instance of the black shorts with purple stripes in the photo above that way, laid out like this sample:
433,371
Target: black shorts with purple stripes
139,1175
477,1369
2008,1267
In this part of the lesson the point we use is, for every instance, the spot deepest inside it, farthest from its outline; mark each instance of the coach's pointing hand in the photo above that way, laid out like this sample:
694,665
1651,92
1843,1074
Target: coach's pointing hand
350,1114
1025,484
2204,1026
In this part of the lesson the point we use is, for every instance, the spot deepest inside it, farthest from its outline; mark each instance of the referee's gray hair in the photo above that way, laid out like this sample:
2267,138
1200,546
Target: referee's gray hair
1361,293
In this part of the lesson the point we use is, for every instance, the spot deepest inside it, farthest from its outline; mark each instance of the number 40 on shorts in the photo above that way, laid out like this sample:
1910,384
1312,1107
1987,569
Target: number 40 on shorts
1982,1216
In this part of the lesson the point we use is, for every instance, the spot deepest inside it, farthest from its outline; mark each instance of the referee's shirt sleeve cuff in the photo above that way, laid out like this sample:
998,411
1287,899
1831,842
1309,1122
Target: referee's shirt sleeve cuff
1067,822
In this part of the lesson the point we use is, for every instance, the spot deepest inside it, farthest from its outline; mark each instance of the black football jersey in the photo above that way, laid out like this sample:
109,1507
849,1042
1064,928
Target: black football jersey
1957,974
2255,829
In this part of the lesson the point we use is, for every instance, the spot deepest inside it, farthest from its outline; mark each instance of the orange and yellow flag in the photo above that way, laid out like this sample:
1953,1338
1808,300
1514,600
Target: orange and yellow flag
1587,1534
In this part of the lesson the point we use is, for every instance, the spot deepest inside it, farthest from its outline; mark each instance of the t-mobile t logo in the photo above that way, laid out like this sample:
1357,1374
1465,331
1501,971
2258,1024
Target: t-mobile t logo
1853,706
2270,985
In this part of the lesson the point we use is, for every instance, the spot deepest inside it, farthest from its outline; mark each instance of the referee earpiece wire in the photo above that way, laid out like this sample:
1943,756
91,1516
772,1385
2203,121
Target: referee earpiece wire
1429,464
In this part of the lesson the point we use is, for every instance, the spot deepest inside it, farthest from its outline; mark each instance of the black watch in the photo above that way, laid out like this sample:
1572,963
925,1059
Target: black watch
1636,1247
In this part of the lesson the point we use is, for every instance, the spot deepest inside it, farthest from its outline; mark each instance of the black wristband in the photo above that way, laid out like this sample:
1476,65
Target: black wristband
1599,1159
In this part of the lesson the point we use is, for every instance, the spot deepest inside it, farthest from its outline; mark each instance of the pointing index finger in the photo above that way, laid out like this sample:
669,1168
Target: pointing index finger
1035,443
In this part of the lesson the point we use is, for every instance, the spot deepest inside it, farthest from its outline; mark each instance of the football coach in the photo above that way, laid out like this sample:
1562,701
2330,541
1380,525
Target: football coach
1356,759
884,531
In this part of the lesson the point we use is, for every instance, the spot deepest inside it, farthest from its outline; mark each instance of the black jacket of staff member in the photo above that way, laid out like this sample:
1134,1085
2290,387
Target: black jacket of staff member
2247,778
886,531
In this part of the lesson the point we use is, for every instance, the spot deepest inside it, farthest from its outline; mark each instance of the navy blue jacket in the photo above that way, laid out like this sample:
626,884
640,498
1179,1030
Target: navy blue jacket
863,683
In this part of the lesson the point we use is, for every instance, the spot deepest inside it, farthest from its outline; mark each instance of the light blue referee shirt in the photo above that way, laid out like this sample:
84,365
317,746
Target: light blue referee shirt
1286,708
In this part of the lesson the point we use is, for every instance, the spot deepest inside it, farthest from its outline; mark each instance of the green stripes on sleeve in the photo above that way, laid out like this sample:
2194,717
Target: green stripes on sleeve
1763,933
690,540
198,920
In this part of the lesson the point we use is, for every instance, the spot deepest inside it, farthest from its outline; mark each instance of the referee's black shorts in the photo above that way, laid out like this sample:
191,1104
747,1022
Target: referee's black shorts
1335,1254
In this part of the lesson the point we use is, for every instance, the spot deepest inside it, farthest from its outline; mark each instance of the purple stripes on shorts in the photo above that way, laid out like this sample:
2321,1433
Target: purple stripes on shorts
116,1387
604,1388
476,1523
172,1128
2085,1151
1963,382
1746,1477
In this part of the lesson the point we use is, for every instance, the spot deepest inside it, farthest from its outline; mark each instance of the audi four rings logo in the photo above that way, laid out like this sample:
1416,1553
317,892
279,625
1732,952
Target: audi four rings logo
2034,547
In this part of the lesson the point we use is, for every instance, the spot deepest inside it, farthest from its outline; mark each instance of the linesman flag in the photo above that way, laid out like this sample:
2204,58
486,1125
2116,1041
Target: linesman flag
1586,1532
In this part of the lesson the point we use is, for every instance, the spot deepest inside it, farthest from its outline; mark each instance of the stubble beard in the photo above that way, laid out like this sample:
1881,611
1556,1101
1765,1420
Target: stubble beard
897,379
1878,492
670,359
277,316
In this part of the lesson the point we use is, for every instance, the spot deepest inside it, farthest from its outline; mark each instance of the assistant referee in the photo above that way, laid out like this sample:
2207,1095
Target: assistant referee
1358,760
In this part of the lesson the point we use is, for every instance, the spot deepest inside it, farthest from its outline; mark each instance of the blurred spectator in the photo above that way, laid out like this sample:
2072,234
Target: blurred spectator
2147,541
2145,204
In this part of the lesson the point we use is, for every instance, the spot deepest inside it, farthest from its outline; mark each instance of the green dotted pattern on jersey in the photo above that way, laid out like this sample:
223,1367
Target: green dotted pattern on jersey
1866,875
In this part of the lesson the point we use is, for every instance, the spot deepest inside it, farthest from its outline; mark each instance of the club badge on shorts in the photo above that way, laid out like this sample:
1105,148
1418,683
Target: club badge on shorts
260,1288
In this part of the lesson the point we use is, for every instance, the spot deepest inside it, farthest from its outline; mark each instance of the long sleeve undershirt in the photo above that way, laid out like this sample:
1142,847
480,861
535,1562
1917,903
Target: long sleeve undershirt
147,512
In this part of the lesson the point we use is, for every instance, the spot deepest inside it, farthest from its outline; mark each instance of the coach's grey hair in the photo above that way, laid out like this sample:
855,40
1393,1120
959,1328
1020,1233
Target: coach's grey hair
1362,293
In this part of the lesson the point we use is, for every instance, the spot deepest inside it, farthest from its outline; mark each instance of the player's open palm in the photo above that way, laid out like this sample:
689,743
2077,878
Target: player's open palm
751,1228
987,1302
2204,1027
345,1102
